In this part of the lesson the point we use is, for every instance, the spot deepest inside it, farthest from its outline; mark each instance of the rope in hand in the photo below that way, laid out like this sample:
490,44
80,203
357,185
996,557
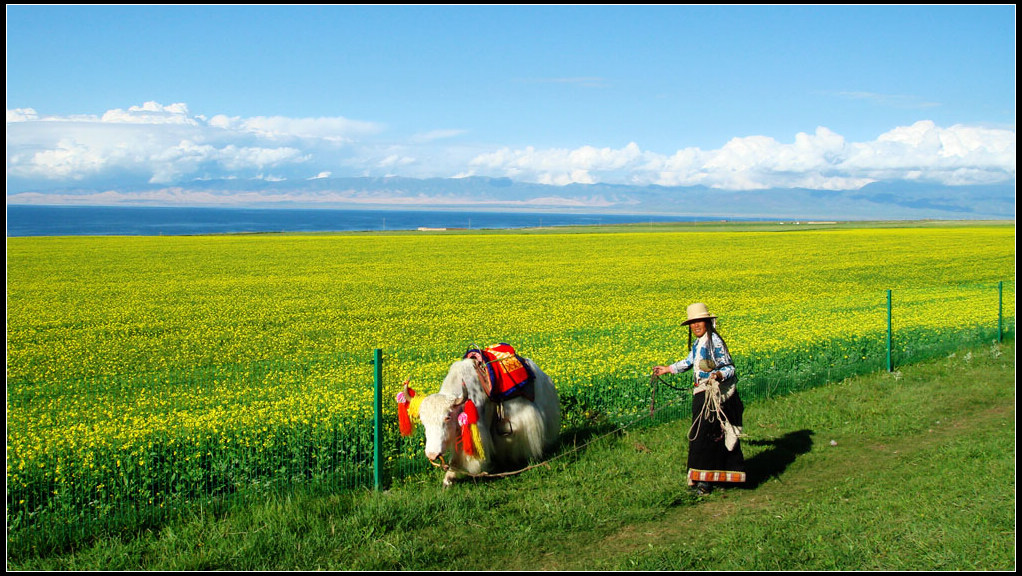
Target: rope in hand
712,406
654,380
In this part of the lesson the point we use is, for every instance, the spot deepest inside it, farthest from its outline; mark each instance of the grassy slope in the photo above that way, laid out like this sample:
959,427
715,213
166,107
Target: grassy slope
920,476
924,483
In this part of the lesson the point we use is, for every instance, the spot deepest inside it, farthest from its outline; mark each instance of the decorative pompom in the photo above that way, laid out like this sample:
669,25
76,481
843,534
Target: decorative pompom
405,395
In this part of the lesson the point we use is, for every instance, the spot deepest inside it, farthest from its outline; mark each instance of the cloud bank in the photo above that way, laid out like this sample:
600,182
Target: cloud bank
167,145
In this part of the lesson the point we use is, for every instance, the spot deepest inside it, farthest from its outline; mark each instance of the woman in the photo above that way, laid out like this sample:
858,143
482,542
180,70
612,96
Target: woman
714,453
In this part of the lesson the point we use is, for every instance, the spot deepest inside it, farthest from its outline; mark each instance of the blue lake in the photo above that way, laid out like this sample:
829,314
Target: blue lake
25,220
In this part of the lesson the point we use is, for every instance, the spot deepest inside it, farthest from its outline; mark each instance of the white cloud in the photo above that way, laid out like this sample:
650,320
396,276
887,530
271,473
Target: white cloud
958,155
69,159
823,160
395,160
167,144
21,115
235,158
584,165
331,129
151,113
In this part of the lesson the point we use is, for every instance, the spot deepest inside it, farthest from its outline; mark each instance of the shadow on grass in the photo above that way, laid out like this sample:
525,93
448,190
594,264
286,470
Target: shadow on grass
572,443
774,460
576,439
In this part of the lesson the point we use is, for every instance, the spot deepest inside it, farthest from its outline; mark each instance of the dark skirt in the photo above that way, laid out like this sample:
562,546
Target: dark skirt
709,460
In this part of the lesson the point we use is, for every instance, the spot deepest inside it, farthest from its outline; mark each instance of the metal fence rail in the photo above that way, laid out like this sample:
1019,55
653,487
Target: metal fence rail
72,493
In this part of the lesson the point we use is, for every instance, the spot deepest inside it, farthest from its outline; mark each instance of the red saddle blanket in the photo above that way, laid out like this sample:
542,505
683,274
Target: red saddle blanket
502,372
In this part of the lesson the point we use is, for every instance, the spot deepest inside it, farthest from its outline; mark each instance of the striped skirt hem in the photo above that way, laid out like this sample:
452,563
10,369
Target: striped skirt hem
715,476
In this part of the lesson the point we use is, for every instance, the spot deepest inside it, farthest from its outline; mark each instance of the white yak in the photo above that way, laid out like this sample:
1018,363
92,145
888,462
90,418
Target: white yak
529,429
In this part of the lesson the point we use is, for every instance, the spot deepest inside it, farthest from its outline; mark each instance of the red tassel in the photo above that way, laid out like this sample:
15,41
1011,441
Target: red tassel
466,440
404,398
471,412
403,421
471,416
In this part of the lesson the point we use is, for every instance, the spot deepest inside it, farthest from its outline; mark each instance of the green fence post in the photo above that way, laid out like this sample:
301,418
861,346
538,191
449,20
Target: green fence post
1000,311
377,417
890,367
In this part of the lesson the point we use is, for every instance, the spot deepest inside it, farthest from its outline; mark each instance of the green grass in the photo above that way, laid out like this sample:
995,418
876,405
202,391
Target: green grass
147,372
906,471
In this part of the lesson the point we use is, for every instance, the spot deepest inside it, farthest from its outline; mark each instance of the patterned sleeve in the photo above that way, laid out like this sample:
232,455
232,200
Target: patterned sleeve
683,365
708,356
722,358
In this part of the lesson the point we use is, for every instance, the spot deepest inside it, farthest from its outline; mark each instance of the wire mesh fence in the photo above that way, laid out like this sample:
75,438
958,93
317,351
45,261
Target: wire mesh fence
218,434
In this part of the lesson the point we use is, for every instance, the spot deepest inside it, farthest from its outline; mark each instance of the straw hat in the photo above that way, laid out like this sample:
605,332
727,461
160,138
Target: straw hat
697,312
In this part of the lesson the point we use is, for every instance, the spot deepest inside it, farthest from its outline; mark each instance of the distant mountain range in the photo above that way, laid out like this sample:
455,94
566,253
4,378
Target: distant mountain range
902,200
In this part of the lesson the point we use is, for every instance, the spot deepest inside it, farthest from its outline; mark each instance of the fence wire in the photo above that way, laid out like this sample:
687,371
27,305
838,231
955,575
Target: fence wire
221,434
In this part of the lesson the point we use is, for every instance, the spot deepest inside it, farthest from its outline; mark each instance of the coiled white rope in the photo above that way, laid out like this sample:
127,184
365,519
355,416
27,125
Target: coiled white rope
713,409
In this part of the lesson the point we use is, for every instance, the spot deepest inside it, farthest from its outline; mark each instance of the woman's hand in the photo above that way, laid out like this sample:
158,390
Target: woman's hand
661,370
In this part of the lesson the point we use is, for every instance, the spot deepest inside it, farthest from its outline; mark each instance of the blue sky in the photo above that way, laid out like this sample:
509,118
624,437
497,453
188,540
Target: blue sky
733,97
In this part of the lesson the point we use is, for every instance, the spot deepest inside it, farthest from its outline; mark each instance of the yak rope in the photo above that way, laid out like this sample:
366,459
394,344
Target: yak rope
444,466
654,381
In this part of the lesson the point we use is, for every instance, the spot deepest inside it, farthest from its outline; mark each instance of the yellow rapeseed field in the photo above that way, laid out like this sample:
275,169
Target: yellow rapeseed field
146,368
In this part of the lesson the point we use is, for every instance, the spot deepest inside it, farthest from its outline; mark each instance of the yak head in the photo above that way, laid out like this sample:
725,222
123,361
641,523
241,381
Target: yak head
439,416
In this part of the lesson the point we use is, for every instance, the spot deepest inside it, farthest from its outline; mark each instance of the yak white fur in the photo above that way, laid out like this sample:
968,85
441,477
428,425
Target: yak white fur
536,424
